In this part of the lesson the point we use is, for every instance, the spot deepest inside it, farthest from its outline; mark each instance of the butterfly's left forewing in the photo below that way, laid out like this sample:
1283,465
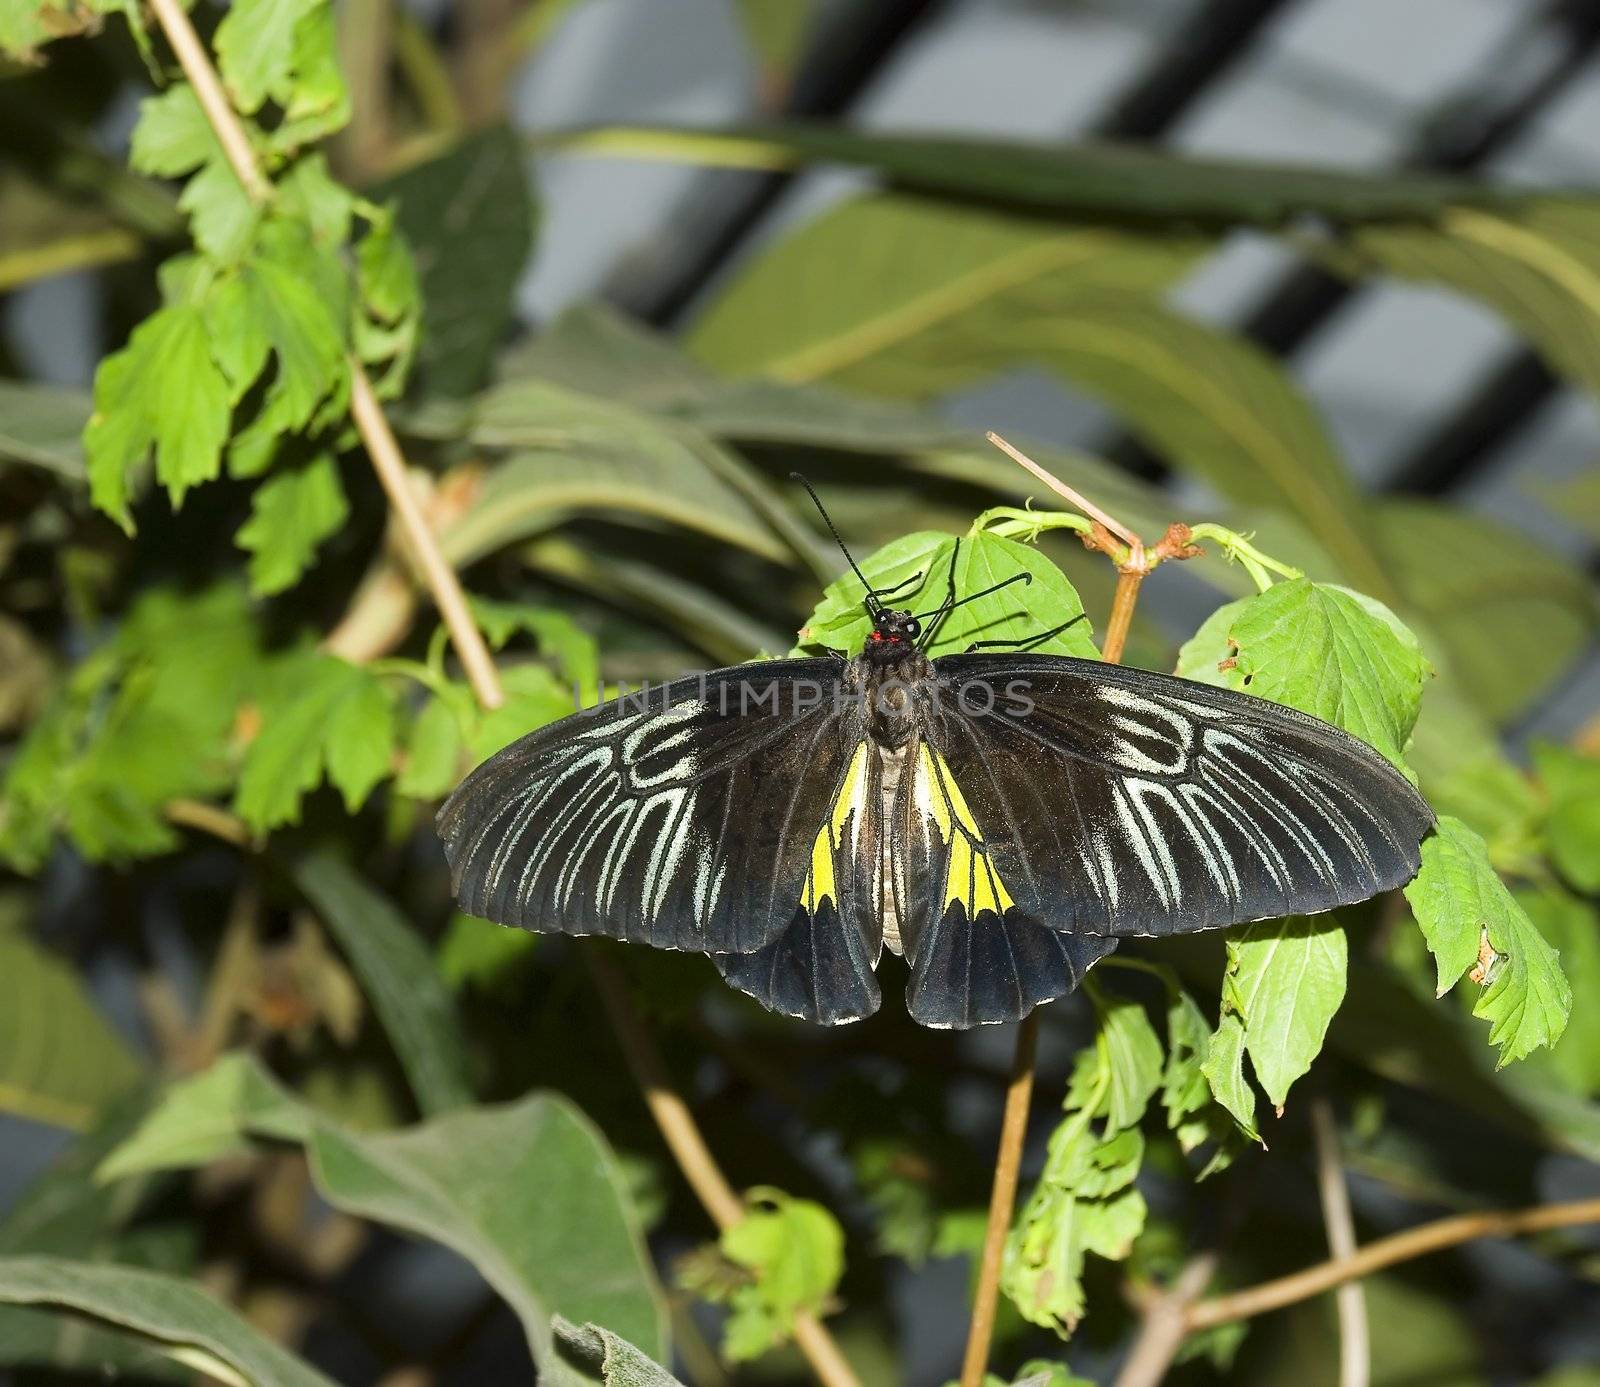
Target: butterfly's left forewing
685,818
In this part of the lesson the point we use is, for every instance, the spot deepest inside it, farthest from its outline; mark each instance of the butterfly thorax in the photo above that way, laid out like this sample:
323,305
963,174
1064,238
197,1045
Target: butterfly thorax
893,675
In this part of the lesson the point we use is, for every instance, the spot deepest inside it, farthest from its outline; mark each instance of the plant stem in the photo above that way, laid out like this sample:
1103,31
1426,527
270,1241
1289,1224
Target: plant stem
690,1151
1386,1252
1019,1092
1355,1355
1002,1199
671,1113
1162,1329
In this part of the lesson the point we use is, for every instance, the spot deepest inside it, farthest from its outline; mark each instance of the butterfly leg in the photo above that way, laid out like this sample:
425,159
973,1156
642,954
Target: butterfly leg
1030,642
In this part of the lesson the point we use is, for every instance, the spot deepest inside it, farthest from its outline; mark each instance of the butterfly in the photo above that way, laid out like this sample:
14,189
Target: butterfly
1001,820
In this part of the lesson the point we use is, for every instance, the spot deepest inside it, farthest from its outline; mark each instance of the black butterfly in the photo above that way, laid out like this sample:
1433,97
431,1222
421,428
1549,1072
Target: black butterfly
1001,820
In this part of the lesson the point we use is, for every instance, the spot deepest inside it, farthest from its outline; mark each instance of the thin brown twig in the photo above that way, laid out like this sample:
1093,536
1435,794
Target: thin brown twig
1019,1092
693,1156
1386,1252
1355,1354
1002,1199
671,1113
1162,1327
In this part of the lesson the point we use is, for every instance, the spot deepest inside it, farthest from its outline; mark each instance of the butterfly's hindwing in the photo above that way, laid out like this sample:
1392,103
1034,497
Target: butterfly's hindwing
685,818
1128,803
975,957
821,967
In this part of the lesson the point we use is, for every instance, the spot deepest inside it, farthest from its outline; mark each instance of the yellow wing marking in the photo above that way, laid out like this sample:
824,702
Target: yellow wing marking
971,877
820,884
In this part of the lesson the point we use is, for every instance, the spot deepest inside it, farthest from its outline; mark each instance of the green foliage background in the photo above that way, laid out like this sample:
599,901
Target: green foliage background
229,714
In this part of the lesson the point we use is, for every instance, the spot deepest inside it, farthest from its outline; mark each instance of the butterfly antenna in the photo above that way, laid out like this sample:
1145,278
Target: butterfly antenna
872,604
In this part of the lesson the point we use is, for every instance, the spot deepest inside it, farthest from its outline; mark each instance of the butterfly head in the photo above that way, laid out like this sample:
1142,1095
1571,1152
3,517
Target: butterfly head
893,633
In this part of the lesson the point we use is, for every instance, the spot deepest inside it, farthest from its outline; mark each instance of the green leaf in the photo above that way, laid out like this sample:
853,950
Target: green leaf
1322,649
474,952
145,720
558,636
388,328
1461,903
1535,265
1134,1058
161,393
1573,928
575,453
322,714
1573,828
1019,613
205,1118
607,1356
256,50
318,103
794,1249
479,1181
1288,978
180,1319
1510,616
1224,1070
1462,771
60,1062
398,974
1097,180
433,752
64,1212
1084,1201
534,697
903,296
173,138
42,426
291,513
468,216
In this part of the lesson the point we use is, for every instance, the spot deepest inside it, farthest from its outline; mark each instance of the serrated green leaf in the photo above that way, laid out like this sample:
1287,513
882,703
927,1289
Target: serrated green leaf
291,513
1184,1089
1572,830
318,101
534,697
1459,901
256,49
1322,649
1224,1070
324,715
1020,613
1134,1059
162,393
433,752
60,1062
794,1247
558,636
172,136
476,1181
1289,978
